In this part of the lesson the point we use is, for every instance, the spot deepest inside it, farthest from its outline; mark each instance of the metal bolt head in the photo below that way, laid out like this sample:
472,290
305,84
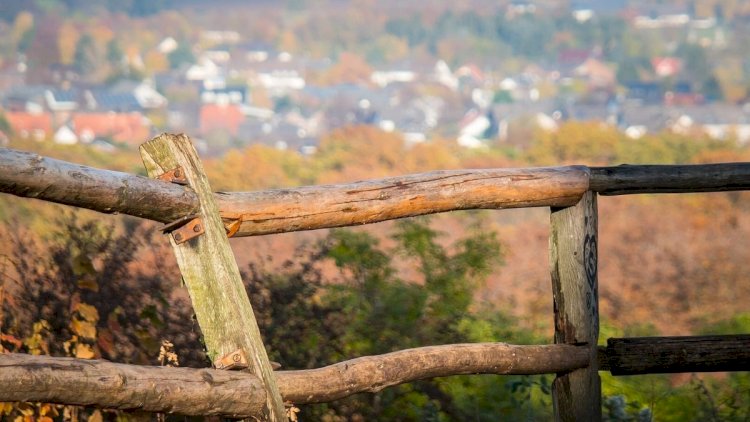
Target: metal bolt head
196,228
177,173
178,236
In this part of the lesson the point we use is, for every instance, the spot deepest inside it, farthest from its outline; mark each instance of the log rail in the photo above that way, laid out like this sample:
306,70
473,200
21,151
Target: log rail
316,207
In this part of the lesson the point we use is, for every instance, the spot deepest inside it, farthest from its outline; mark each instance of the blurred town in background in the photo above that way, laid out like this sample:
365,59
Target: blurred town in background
479,73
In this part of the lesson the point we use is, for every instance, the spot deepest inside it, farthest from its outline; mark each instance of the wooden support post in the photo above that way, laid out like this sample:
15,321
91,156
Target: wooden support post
573,260
210,271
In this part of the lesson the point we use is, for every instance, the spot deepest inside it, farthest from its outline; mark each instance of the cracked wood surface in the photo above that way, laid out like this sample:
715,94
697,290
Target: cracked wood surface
128,387
315,207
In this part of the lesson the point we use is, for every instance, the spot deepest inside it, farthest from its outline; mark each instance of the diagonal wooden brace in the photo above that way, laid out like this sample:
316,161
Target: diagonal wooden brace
210,271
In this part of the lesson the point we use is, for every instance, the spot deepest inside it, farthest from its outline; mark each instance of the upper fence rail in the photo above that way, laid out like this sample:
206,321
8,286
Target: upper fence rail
315,207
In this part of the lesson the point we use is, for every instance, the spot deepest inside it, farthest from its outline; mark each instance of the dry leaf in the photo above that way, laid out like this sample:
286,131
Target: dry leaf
5,408
87,312
83,329
84,351
96,416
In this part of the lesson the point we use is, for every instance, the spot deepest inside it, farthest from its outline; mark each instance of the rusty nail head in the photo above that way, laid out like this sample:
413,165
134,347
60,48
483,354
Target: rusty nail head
177,173
178,236
197,228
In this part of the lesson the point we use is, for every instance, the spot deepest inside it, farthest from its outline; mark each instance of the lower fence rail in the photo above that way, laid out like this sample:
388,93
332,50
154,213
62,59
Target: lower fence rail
191,391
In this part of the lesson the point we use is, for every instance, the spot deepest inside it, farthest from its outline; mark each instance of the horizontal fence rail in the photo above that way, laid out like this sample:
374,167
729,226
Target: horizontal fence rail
315,207
237,394
664,355
629,179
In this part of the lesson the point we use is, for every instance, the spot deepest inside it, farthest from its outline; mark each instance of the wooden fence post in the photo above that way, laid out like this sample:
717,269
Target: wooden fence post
210,271
573,259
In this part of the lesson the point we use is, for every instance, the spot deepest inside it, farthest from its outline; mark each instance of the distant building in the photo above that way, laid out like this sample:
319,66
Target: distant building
36,126
132,128
224,117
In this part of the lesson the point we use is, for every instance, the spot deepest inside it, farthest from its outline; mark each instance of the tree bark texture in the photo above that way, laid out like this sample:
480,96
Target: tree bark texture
33,176
576,395
210,271
237,394
374,373
129,387
372,201
659,355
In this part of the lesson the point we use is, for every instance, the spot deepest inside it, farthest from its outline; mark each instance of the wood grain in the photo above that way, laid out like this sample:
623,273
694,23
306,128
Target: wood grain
129,387
372,201
210,272
238,394
573,257
33,176
374,373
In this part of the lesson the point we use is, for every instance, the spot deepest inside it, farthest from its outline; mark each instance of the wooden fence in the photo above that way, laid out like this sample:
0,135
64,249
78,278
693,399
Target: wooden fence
244,384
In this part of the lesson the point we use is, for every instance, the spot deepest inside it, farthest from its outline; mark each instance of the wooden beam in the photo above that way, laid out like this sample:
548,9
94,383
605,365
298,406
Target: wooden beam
110,385
33,176
372,201
662,355
573,258
303,208
315,207
374,373
633,179
237,394
210,271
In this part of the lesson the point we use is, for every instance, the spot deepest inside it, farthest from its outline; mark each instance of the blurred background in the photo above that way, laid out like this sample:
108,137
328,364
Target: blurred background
278,94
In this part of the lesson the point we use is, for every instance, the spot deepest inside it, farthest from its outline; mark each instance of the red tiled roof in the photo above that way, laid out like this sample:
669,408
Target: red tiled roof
24,123
219,116
132,128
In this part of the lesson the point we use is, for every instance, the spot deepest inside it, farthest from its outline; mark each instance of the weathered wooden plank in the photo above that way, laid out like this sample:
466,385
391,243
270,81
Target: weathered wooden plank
229,393
129,387
633,179
573,260
662,355
210,271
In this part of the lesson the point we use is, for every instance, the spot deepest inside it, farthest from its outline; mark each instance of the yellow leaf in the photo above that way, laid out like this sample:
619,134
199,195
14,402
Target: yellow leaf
87,312
26,409
5,408
83,329
96,416
48,409
84,351
88,282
